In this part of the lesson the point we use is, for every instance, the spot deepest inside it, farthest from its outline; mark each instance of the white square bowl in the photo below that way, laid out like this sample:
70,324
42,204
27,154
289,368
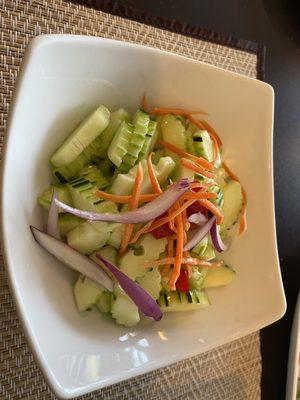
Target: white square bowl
62,79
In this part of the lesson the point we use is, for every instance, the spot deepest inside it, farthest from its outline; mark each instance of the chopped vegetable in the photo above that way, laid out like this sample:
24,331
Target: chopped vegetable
148,213
72,258
199,160
200,170
142,214
216,238
200,234
134,202
175,111
138,295
153,179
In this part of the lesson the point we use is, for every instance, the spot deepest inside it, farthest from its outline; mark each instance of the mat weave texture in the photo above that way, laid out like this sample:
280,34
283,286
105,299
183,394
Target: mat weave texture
230,372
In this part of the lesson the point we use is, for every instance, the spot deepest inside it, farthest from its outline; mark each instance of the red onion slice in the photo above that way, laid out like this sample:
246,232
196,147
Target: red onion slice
72,258
216,239
145,213
52,222
200,234
138,295
198,218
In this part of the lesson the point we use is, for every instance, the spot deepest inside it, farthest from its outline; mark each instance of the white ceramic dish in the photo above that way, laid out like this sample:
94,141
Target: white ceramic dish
62,79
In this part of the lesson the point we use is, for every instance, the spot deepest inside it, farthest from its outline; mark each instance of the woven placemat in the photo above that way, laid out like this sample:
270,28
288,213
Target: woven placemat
232,371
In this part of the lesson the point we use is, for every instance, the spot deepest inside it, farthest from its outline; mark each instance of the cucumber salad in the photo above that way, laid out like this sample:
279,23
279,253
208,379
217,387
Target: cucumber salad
140,206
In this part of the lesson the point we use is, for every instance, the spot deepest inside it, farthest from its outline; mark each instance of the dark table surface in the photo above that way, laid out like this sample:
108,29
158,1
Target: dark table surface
276,24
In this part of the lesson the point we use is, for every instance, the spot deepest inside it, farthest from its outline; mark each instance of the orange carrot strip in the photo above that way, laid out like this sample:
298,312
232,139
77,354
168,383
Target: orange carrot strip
203,125
214,209
170,248
213,135
154,182
164,220
199,160
185,260
140,232
194,185
175,111
134,202
171,222
211,131
198,195
124,199
230,173
200,170
243,216
178,254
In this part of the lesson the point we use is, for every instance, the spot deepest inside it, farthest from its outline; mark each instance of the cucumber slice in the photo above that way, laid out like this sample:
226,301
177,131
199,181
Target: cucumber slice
197,278
220,198
123,183
98,148
82,192
87,237
200,248
221,177
141,122
67,222
233,201
173,131
116,236
149,250
107,135
119,144
62,193
108,252
124,311
203,145
218,276
91,235
88,293
151,282
81,137
93,174
178,301
150,140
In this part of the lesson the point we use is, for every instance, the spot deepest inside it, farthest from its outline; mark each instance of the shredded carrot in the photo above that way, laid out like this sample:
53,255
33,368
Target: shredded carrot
175,111
141,231
178,254
188,261
144,102
243,216
199,160
124,199
206,185
170,248
171,222
203,125
198,195
214,209
174,214
134,202
230,173
154,182
200,170
186,224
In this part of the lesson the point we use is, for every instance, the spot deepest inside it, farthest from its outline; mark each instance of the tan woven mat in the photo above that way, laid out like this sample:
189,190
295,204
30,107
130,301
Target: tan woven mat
232,371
